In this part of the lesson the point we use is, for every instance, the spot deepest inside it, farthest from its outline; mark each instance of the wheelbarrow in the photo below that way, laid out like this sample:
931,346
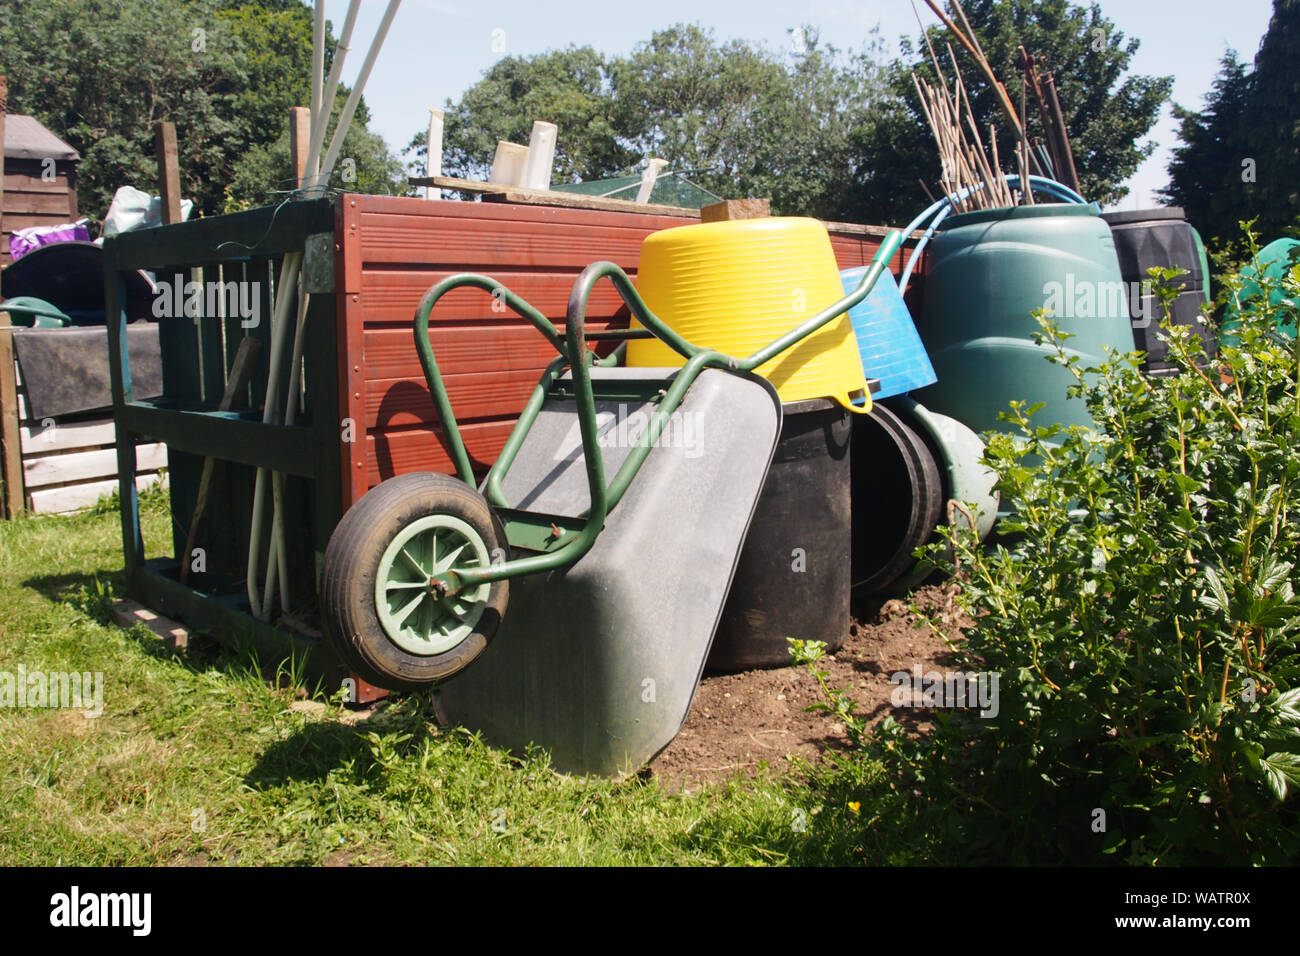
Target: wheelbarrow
417,575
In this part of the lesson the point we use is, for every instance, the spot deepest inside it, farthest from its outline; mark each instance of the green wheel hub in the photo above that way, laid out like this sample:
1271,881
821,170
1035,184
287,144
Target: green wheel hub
416,616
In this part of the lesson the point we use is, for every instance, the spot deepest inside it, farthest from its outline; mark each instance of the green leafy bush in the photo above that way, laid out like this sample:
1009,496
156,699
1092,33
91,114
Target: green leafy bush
1140,610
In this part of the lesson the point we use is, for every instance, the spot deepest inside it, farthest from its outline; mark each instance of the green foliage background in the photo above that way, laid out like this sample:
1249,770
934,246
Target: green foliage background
1250,116
1140,610
100,73
822,131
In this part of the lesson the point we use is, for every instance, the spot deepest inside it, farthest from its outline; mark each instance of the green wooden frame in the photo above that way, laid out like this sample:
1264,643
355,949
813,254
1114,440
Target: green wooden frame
188,422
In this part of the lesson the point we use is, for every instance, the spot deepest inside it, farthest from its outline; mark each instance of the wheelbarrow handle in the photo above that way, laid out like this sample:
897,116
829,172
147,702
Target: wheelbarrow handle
879,263
433,376
577,310
662,331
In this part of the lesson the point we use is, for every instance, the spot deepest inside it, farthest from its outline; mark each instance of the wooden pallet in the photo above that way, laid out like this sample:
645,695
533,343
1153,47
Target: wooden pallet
499,192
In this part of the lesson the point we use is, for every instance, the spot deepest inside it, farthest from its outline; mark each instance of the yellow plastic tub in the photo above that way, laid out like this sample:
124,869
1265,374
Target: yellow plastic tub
737,286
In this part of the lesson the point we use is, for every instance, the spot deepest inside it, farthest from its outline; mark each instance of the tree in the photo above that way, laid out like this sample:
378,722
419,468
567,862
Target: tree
274,38
1240,155
569,87
738,119
1206,170
743,121
1106,111
100,73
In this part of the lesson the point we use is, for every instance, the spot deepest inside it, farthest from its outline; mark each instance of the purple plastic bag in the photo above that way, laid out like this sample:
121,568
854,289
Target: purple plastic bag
24,241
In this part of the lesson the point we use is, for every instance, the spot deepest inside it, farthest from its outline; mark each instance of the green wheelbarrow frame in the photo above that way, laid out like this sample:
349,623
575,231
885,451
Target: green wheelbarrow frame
563,540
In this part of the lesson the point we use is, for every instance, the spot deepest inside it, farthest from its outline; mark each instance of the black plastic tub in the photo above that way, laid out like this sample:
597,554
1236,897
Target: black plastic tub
1161,237
793,578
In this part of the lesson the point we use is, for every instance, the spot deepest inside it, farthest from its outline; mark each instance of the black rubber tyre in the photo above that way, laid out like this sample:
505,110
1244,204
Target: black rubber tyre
897,499
353,558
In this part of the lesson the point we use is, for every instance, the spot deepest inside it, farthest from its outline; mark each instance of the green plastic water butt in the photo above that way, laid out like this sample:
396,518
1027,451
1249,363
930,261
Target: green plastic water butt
1205,264
987,272
1274,260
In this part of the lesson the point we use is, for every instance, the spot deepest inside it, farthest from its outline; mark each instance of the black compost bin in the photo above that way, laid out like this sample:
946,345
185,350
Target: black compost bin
792,579
1161,237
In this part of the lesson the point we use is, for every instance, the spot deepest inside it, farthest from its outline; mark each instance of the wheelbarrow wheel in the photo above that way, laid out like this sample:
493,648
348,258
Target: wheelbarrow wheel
380,614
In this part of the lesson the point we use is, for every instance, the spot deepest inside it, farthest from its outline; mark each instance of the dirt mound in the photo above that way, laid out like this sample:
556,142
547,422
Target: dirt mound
754,721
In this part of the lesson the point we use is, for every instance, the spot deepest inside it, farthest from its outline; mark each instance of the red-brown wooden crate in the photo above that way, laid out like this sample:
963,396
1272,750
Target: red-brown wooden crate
421,449
393,249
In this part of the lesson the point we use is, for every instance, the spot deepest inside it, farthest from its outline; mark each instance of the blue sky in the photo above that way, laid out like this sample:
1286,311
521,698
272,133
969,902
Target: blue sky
438,48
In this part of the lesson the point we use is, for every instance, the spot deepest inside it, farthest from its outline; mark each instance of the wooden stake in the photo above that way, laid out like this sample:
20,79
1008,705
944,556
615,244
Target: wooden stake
9,436
4,108
299,142
169,171
1067,172
11,455
433,152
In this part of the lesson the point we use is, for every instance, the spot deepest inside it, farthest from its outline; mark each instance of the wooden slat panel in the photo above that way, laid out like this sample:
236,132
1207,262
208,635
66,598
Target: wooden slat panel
278,447
393,295
419,449
82,465
34,183
16,221
852,252
269,230
18,202
263,272
211,339
396,403
38,440
75,497
460,348
478,245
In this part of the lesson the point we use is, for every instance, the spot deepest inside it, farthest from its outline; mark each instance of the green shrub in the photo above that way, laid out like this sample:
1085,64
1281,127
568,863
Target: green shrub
1140,611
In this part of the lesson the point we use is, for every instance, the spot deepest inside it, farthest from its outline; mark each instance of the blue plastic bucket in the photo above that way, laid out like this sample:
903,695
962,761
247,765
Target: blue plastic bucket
888,342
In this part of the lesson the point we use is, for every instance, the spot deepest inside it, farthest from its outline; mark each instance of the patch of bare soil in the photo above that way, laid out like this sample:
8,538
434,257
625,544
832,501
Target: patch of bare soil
755,721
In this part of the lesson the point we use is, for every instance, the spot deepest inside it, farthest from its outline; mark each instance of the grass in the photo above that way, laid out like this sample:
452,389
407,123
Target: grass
197,759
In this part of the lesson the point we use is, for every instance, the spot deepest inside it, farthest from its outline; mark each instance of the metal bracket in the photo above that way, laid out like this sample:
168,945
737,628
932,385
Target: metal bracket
318,263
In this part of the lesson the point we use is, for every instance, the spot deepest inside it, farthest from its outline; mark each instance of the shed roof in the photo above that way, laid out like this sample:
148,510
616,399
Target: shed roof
27,138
